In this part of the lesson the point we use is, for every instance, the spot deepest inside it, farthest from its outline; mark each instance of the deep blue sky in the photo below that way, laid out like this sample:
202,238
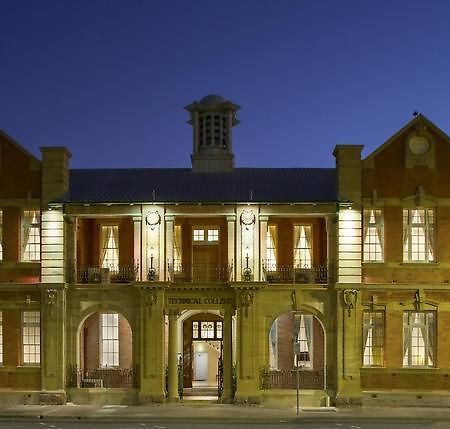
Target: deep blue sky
109,79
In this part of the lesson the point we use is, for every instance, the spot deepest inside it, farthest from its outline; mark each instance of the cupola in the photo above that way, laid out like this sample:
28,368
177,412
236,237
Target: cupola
212,119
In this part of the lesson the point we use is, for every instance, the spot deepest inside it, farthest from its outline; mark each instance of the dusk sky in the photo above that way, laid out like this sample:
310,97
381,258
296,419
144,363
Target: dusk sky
109,79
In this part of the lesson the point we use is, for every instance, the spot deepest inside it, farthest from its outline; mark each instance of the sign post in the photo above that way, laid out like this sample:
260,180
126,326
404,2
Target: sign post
297,372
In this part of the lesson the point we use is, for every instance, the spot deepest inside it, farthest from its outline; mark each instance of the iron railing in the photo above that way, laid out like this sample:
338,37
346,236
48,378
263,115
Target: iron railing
287,379
103,377
315,274
199,272
96,274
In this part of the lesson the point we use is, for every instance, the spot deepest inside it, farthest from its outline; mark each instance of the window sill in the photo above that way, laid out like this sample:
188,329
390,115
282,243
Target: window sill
420,264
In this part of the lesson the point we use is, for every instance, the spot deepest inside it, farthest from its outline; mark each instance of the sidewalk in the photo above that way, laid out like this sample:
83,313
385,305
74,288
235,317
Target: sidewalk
201,412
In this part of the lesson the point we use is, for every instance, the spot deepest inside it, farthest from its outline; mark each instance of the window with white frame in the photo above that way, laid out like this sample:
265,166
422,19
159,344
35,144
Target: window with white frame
303,346
109,257
373,338
109,328
205,235
418,235
302,246
419,338
31,236
1,337
31,337
1,235
373,235
213,235
177,248
271,246
199,235
207,330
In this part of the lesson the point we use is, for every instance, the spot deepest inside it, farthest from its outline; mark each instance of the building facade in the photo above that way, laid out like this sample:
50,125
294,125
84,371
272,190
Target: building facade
152,285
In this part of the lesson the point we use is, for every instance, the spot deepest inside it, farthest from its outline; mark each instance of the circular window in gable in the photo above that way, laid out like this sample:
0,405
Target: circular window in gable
419,145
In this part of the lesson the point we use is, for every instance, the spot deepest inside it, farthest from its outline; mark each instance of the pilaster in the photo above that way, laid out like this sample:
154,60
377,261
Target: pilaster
53,327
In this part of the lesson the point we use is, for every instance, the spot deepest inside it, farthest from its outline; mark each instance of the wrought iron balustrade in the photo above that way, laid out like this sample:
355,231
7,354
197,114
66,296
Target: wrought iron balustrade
103,377
287,379
180,272
314,274
96,274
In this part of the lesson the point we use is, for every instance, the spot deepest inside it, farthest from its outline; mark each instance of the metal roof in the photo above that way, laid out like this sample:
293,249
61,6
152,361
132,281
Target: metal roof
182,185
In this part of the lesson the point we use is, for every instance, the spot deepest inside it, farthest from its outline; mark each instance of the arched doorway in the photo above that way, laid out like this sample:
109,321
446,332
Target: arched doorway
106,352
296,342
202,354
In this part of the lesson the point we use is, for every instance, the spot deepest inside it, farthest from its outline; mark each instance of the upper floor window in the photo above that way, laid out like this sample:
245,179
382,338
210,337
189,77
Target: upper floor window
271,245
373,338
302,246
205,235
109,328
109,257
1,338
419,338
1,235
418,235
177,248
373,235
31,337
31,237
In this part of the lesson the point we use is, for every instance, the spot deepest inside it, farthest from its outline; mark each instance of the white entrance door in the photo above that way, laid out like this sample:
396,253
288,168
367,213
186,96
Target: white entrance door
201,366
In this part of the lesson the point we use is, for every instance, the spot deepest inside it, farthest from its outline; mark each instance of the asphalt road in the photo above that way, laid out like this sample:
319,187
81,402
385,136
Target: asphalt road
303,424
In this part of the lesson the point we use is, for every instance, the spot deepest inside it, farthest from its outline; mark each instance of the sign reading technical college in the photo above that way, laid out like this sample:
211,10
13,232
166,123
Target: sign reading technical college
199,300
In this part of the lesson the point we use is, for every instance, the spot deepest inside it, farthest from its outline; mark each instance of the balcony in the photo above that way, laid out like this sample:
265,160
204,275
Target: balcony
315,274
287,379
199,273
96,274
103,377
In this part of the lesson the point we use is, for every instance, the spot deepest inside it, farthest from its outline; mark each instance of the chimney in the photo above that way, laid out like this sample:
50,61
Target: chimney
55,172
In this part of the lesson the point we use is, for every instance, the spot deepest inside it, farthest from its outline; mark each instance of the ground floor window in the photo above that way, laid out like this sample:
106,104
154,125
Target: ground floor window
31,337
109,339
373,338
419,338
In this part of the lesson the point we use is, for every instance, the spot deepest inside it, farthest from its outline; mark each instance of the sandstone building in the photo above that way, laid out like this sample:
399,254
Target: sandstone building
151,285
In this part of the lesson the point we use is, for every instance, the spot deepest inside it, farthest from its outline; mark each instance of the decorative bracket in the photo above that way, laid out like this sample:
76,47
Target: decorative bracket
350,296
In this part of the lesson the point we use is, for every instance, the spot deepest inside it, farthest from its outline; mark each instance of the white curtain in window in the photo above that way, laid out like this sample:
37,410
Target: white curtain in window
1,235
271,248
430,234
110,247
273,341
302,249
31,236
368,343
177,248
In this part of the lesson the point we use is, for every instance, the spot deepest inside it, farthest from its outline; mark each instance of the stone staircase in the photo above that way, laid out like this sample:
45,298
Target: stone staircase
200,394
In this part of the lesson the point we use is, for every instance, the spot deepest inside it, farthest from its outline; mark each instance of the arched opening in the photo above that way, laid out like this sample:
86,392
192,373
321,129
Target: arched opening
202,351
106,352
296,343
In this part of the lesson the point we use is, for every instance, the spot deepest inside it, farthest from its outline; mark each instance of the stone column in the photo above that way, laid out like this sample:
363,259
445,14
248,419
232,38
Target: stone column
137,252
227,355
152,364
53,361
173,356
169,221
231,223
349,340
263,219
249,356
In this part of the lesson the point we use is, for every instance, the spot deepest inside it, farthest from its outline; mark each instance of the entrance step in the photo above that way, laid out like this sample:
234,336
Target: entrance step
200,391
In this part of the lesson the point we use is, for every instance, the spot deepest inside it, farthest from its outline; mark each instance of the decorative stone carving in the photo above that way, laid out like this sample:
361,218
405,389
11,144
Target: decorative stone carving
246,301
50,297
350,296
